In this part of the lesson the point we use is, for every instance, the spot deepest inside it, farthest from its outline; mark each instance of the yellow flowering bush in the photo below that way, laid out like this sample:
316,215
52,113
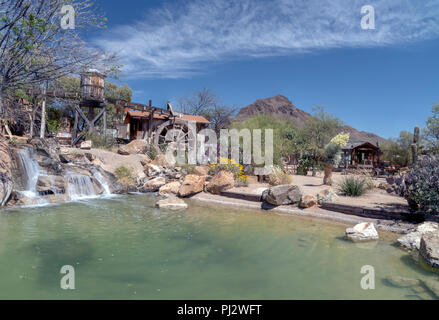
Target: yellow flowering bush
230,165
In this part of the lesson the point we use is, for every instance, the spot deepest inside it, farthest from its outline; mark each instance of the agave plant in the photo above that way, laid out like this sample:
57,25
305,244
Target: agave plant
420,186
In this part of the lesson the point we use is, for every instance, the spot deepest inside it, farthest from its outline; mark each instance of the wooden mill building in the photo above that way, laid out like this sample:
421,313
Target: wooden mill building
141,121
143,124
361,155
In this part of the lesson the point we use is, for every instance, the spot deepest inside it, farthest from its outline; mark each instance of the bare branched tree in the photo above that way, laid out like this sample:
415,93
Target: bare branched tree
35,47
207,104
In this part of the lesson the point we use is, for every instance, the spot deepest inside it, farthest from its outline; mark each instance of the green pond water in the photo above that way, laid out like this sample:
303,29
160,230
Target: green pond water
124,248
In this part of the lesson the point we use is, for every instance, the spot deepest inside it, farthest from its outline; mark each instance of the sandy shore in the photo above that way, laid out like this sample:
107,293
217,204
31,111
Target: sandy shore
348,220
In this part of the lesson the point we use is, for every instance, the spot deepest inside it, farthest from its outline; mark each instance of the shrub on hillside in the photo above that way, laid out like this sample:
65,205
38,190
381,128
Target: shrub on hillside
355,186
420,186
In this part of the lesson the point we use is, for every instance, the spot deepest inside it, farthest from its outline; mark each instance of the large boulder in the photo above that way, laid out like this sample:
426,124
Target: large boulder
362,232
222,180
172,203
429,249
282,195
170,188
192,184
308,202
153,185
412,240
134,147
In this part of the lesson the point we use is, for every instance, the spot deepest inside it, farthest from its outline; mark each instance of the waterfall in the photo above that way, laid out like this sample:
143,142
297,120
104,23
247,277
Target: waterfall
80,187
98,176
76,186
30,169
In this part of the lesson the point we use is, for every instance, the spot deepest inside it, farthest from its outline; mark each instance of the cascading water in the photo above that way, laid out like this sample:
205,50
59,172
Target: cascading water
75,186
80,187
98,176
31,170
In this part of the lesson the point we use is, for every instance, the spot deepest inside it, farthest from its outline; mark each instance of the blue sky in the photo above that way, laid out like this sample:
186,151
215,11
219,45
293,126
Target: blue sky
313,52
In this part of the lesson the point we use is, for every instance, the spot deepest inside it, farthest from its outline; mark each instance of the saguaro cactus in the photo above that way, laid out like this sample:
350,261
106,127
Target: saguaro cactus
415,145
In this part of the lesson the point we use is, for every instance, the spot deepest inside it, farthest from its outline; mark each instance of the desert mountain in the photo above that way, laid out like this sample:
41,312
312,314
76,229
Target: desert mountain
281,108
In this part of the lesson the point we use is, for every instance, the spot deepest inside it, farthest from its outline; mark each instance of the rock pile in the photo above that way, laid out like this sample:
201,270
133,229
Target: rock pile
135,147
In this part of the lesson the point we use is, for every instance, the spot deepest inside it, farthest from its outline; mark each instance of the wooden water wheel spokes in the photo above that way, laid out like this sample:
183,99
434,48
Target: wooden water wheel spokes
174,135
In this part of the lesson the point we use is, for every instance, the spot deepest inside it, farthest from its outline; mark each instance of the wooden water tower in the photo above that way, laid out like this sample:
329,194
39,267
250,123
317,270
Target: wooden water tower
92,98
92,85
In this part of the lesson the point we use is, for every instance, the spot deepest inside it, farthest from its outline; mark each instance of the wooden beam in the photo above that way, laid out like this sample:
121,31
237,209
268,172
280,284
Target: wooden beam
151,122
75,127
105,120
78,109
43,114
78,138
99,116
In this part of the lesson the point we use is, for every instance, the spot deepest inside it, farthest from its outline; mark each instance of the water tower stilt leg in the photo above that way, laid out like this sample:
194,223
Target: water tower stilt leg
75,127
105,120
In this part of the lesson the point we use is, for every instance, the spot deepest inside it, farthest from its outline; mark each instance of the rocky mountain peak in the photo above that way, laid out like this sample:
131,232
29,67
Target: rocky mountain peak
281,108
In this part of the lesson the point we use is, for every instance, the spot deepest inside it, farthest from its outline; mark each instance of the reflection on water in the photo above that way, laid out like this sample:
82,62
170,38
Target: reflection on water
124,248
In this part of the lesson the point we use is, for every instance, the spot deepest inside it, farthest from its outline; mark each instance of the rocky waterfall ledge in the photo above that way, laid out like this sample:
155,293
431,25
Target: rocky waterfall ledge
37,173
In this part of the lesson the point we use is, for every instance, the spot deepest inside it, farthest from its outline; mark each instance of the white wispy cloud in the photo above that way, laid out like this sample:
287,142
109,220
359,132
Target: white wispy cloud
180,39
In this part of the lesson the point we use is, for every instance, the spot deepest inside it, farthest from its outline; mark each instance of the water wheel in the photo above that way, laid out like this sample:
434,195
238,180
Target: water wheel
174,134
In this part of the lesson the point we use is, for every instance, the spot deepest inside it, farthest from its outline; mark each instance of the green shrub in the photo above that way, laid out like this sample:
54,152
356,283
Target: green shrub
152,152
100,141
53,126
333,154
354,186
283,134
124,174
304,166
420,186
